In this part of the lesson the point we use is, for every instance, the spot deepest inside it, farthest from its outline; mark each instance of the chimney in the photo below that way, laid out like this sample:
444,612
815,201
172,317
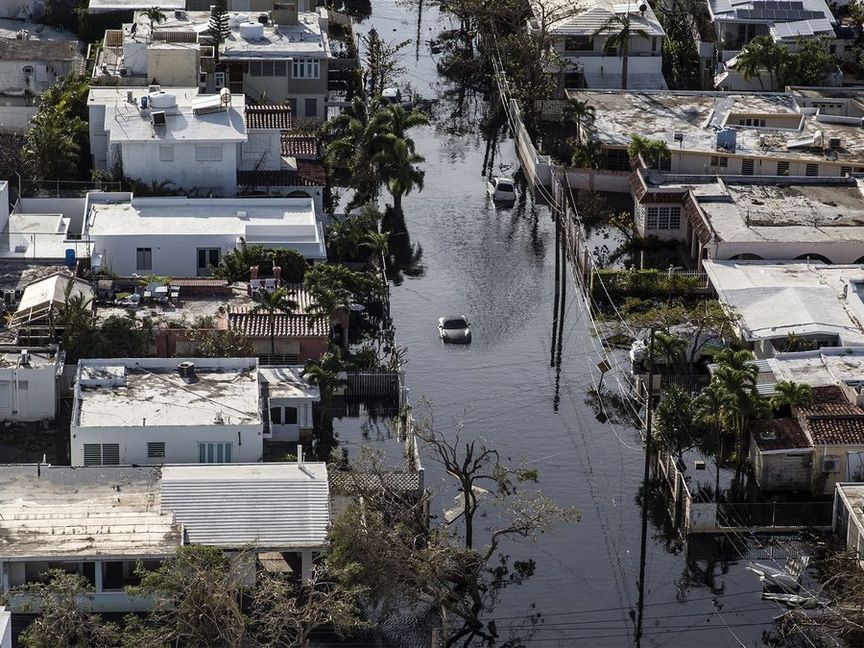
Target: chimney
253,272
277,275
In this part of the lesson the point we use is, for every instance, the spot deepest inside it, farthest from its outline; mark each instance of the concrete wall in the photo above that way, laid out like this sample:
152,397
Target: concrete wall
173,66
27,393
841,252
43,76
283,89
781,470
303,348
5,628
181,442
262,150
285,432
16,118
824,483
142,161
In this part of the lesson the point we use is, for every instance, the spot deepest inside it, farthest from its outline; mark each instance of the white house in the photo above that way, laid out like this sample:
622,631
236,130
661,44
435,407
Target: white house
737,22
28,383
32,58
753,217
164,410
175,137
185,237
814,134
101,522
818,303
848,520
288,399
581,42
273,54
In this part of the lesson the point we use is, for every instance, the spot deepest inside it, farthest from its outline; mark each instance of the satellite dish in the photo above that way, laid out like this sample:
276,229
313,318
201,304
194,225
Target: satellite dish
655,178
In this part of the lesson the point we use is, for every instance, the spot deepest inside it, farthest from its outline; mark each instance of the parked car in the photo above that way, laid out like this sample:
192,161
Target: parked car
501,189
454,329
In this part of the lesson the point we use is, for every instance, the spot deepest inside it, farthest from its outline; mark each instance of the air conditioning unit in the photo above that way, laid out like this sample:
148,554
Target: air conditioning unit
124,71
830,464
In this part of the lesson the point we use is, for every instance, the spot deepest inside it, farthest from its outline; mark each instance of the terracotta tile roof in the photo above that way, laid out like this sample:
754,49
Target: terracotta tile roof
831,419
269,116
287,326
300,324
308,174
300,146
779,434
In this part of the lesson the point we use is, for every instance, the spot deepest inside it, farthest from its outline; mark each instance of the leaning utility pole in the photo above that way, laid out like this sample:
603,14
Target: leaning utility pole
646,476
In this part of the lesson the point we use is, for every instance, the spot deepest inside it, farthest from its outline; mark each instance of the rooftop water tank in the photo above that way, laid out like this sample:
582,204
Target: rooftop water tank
161,100
252,31
236,19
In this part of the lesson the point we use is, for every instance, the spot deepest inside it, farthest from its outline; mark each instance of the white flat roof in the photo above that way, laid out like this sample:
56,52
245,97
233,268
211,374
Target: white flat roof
98,6
825,366
62,512
127,122
286,219
593,14
698,116
151,392
282,41
773,299
288,382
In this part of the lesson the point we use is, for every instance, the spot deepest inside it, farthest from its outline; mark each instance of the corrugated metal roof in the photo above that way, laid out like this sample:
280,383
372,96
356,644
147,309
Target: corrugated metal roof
271,506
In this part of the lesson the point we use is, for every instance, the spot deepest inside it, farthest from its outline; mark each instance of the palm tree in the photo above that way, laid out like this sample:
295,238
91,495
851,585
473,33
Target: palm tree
588,155
736,359
324,372
328,299
273,302
578,112
671,348
51,149
378,243
398,121
343,238
711,404
762,53
397,165
789,395
155,15
623,31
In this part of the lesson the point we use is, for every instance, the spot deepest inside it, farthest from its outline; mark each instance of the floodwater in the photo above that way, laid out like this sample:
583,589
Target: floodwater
497,268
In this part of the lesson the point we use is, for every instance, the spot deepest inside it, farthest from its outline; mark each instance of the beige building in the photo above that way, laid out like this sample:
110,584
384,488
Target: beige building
815,134
274,54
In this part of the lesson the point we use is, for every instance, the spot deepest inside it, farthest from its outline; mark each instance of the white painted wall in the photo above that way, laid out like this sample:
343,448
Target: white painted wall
181,442
262,150
5,628
42,77
27,393
285,432
16,118
173,255
839,252
142,161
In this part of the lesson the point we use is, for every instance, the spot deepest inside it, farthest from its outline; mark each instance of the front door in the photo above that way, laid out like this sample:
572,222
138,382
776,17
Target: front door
208,258
855,466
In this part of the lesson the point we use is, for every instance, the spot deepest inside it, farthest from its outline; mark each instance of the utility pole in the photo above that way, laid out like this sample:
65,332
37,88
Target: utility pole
646,476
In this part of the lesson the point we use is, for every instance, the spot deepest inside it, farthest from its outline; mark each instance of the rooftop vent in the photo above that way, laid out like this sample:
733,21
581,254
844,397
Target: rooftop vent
187,371
834,142
158,117
727,139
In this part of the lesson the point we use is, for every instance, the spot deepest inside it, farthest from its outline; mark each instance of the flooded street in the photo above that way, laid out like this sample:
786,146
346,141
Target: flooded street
497,268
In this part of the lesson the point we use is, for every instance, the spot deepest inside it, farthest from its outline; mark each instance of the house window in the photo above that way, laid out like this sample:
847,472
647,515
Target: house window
617,160
267,68
306,68
156,450
208,258
219,79
782,168
166,153
144,259
290,416
101,454
578,44
752,121
811,170
747,167
5,395
845,171
214,453
665,162
208,153
276,415
663,218
311,107
719,161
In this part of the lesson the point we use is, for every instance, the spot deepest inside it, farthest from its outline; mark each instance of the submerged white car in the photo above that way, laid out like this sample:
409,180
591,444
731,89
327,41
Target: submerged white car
501,189
454,329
